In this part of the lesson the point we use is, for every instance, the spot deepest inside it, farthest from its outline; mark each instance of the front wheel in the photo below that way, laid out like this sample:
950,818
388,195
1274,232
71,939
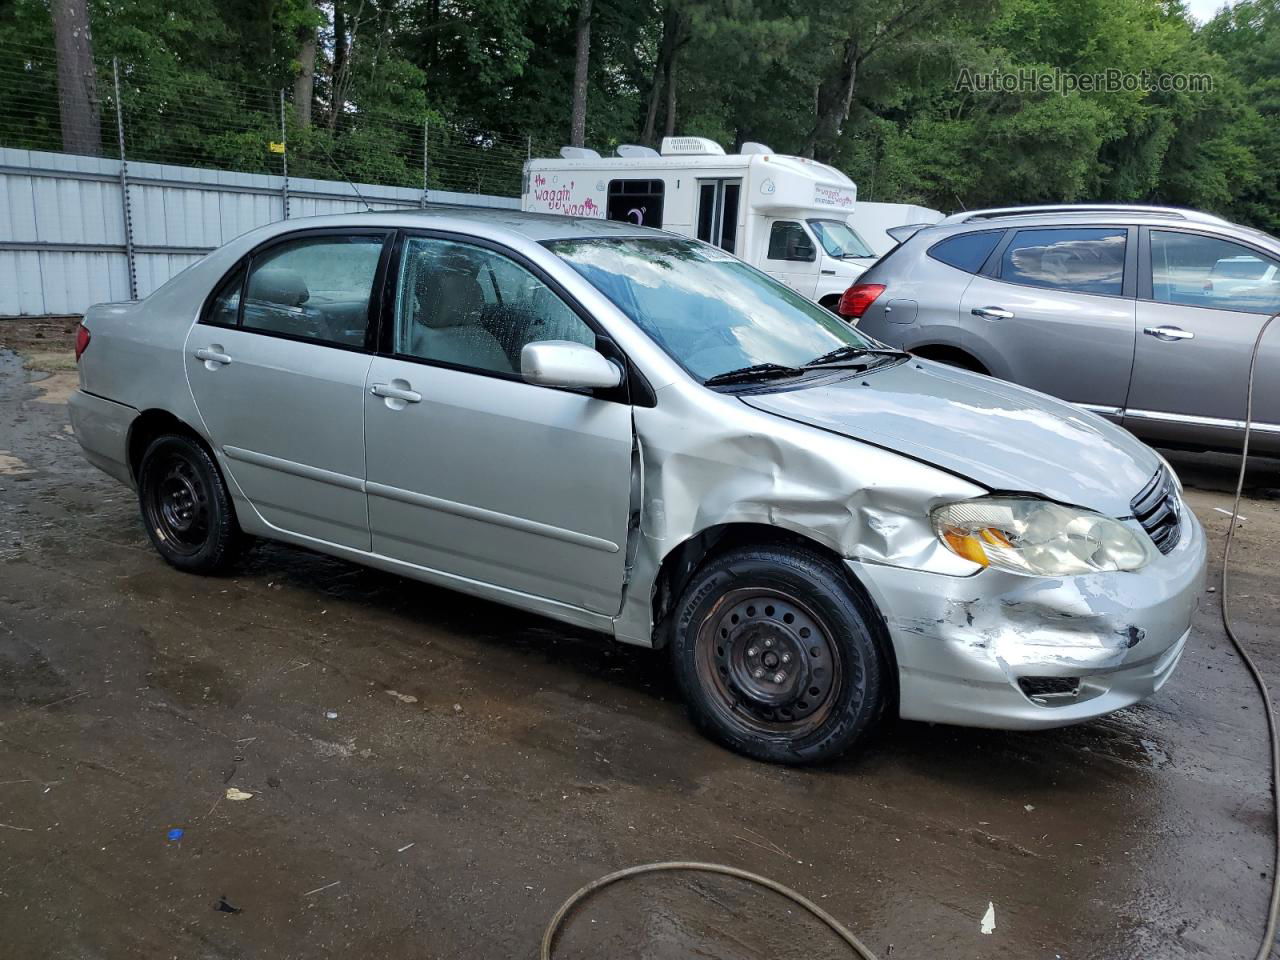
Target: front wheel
775,656
186,506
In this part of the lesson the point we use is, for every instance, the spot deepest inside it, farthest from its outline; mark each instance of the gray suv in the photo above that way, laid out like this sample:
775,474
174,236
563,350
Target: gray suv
1146,315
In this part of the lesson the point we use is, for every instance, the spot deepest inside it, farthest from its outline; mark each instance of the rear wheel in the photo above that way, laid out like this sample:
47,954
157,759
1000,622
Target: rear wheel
186,506
775,656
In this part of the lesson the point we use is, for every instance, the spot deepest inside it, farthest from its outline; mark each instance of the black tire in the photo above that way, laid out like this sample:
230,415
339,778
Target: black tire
186,506
753,615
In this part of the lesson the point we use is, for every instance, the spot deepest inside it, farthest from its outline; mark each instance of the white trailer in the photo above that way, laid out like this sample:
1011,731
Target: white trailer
786,215
873,220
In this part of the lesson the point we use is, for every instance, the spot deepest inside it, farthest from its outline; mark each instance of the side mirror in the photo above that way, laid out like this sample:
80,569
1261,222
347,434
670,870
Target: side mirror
563,363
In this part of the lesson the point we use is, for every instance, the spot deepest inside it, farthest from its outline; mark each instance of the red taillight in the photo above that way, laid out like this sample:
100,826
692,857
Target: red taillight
82,340
857,298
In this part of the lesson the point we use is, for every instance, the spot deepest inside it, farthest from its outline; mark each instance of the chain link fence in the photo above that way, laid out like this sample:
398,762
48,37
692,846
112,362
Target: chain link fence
158,164
156,114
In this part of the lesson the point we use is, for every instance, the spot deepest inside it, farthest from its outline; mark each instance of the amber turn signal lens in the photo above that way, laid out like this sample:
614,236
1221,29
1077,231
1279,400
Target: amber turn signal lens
967,546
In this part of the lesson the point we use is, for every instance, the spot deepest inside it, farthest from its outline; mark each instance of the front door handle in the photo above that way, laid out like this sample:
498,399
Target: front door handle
392,392
213,355
1169,334
992,313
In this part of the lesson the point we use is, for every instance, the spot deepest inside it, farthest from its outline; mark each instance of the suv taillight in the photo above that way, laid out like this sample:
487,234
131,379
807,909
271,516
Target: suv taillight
82,340
857,298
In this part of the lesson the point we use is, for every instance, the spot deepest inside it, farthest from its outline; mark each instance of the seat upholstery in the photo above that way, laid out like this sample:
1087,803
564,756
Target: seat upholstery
447,321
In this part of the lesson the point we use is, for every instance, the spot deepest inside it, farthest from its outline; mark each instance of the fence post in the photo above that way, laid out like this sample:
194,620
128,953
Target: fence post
426,128
124,185
284,159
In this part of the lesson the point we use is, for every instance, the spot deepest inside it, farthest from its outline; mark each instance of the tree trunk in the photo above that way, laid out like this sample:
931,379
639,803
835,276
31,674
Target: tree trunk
304,83
77,79
661,72
340,53
655,94
671,95
835,98
581,66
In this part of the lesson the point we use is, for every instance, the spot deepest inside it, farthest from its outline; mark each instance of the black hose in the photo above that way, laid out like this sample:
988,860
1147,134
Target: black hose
1273,911
688,865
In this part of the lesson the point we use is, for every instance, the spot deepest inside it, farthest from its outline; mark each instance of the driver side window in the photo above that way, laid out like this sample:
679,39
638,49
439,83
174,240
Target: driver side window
470,307
788,241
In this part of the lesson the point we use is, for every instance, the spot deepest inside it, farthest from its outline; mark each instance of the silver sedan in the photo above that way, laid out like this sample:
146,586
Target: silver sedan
641,435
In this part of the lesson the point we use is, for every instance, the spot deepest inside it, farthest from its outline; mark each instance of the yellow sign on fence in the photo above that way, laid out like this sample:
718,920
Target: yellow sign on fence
275,147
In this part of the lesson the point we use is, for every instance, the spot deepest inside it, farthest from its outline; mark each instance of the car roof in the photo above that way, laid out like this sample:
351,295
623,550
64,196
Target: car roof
537,227
1105,212
1081,215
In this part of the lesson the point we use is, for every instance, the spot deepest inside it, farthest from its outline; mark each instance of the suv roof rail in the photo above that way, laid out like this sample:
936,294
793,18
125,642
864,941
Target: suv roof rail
997,213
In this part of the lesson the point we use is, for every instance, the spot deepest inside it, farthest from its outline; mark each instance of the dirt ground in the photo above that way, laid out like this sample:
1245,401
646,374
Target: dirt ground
429,775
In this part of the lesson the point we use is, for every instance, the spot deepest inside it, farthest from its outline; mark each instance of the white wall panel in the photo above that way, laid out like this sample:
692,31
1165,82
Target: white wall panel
62,239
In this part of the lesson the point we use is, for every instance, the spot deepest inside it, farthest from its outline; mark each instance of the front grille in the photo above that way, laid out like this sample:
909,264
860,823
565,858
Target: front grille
1156,508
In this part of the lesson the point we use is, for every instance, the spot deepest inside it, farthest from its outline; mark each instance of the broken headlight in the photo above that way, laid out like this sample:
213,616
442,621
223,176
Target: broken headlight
1038,538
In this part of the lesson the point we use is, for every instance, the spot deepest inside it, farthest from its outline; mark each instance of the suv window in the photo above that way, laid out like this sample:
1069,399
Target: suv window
1202,271
1079,259
314,288
788,241
967,251
468,306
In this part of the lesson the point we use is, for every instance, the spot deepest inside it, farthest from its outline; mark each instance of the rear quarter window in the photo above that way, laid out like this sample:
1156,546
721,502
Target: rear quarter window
966,251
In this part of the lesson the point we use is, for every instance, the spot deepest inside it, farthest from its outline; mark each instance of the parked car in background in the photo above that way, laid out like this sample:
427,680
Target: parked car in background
1146,315
641,435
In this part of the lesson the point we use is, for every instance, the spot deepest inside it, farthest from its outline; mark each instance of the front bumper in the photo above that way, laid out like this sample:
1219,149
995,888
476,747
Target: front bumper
963,644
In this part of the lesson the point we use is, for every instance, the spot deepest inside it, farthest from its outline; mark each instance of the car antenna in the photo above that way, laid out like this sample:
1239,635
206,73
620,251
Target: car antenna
333,163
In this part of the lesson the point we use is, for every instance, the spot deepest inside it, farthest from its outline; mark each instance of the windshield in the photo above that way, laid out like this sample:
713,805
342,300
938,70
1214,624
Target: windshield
839,239
708,310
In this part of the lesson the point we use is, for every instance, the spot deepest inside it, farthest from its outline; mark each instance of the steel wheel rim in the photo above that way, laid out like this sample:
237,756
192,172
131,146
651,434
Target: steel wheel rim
769,662
178,505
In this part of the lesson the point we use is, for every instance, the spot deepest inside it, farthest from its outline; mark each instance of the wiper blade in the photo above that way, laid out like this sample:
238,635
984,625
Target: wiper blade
850,352
757,371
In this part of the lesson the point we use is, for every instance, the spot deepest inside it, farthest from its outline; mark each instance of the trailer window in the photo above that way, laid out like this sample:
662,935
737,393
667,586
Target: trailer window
788,241
636,201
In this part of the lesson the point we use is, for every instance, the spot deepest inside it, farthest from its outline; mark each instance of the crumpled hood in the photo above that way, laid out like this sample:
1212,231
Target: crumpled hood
997,434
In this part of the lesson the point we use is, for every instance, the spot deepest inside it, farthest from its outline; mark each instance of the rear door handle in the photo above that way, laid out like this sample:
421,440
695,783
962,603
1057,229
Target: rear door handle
1169,334
992,313
212,355
828,273
395,393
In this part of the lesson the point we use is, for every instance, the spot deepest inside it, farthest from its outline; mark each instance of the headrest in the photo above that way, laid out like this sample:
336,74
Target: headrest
278,285
448,298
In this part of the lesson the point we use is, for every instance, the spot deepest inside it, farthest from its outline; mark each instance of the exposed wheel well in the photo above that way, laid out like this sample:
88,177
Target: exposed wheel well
681,563
149,425
952,356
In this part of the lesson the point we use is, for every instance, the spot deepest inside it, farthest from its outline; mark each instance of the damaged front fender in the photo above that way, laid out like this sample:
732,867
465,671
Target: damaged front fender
743,466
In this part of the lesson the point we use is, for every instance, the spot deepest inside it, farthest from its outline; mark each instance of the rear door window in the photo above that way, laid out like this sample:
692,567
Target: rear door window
224,308
1076,259
1195,270
314,288
968,251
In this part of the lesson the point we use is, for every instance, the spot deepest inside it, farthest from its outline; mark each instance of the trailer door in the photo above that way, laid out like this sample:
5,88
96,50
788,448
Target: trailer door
718,212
